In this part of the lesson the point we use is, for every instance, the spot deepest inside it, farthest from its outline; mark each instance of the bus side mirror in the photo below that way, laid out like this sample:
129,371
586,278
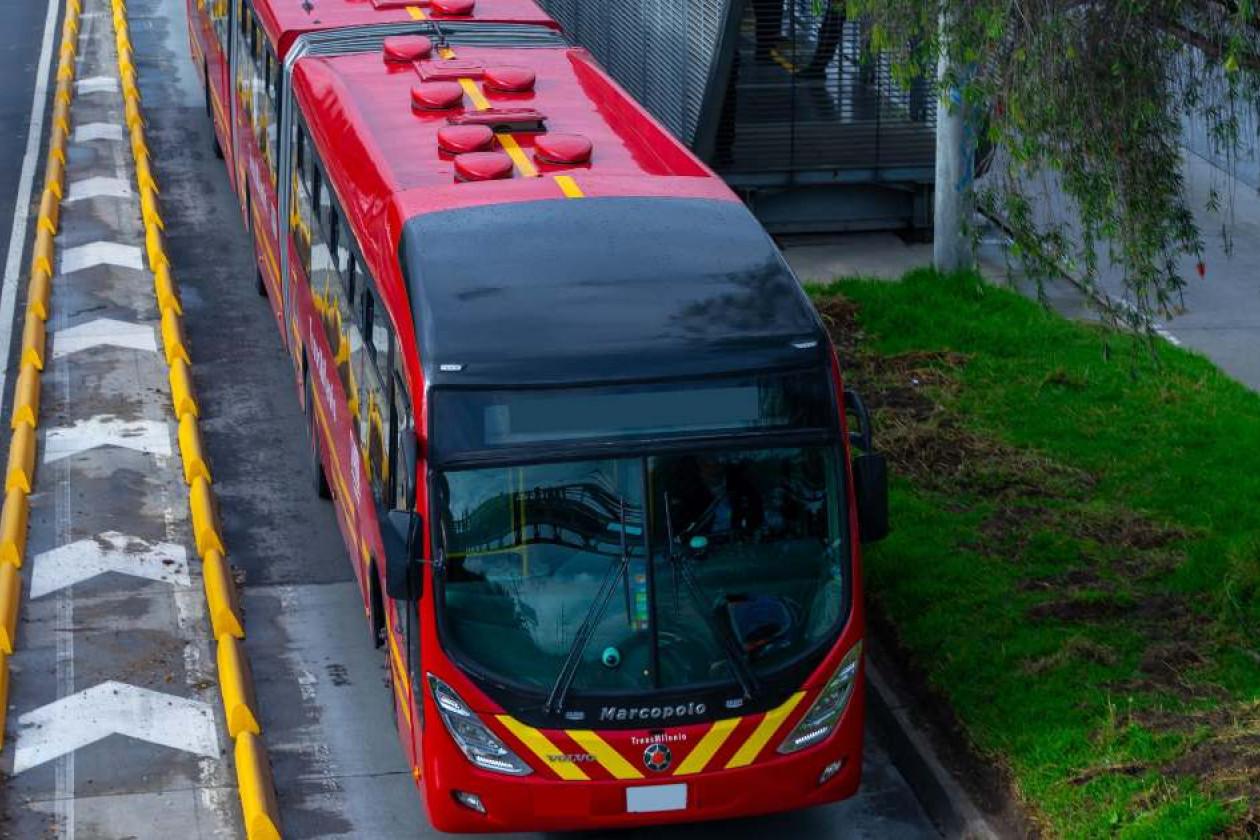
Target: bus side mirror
870,473
402,532
870,477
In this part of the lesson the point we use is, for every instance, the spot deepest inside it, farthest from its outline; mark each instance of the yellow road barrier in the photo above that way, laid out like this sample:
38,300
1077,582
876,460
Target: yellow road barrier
258,797
225,617
20,474
39,293
236,684
26,399
13,518
182,395
253,769
190,450
205,518
10,594
33,341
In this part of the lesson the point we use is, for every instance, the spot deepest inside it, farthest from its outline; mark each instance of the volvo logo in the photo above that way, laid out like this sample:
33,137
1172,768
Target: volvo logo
657,757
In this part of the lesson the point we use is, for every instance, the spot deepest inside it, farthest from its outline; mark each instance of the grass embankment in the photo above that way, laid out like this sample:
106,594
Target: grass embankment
1075,563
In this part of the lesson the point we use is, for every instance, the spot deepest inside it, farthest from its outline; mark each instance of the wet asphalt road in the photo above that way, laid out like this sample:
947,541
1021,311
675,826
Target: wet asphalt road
321,685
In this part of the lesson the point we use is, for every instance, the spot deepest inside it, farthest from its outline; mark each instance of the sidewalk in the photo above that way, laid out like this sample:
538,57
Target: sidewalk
1222,312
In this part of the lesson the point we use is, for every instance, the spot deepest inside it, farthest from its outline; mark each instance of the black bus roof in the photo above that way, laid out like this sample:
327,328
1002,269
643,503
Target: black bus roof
602,290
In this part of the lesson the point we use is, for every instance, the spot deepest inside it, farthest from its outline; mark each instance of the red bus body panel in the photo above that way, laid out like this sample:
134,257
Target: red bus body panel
384,166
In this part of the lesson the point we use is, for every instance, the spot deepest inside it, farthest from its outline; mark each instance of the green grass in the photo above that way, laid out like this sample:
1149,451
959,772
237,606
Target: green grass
1075,563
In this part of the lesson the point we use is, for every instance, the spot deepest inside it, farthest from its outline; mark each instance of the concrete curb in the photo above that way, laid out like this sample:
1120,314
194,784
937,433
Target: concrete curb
236,683
947,804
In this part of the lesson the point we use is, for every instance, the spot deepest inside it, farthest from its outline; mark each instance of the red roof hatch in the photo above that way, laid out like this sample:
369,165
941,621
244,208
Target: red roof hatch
563,149
483,166
510,79
454,8
405,48
436,96
460,139
451,68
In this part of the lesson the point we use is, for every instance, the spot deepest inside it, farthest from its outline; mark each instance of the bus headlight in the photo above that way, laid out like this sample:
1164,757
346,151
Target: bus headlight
479,745
822,717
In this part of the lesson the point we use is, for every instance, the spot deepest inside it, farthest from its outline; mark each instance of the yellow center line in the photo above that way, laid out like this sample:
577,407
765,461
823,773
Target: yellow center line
513,149
569,186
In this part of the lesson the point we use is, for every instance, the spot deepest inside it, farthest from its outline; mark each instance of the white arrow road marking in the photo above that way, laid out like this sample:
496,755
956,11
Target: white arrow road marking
97,131
103,332
149,436
100,253
114,708
99,187
96,84
108,552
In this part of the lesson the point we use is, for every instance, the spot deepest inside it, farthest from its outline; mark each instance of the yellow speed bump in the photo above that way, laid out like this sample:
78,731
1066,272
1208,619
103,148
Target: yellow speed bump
258,793
182,395
225,619
33,341
13,528
20,474
236,684
205,519
38,293
164,289
26,398
10,594
191,450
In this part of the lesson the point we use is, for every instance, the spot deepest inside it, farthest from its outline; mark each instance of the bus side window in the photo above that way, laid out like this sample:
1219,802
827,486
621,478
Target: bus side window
300,212
374,415
400,424
244,59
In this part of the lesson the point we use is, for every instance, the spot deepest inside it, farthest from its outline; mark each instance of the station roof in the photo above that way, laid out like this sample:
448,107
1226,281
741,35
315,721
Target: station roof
284,19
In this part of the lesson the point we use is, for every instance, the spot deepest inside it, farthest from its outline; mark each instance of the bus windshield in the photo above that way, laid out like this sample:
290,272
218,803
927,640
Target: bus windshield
689,569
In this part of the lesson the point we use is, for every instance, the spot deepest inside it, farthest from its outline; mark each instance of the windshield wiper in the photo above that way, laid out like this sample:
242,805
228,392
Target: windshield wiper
560,690
681,566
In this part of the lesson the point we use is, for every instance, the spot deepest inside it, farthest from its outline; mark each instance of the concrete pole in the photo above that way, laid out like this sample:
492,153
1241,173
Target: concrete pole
955,174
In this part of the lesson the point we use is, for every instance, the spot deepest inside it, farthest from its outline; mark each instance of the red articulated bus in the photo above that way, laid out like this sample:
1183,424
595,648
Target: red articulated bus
586,437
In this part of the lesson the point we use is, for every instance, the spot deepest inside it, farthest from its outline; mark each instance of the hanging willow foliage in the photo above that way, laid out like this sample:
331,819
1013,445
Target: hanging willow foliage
1085,100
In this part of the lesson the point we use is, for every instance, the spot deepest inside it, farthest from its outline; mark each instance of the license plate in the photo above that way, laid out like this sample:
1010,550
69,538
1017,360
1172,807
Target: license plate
647,800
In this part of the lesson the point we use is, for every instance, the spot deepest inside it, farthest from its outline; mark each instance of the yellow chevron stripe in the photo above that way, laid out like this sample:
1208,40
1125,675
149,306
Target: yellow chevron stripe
764,732
612,761
704,751
569,187
416,12
544,749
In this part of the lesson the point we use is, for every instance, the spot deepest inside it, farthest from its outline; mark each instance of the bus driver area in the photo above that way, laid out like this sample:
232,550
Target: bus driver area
599,485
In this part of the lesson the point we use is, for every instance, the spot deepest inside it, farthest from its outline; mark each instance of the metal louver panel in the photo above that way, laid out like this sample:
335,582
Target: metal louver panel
664,52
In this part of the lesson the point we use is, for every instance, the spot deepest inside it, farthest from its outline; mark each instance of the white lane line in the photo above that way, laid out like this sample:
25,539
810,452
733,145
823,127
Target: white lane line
97,131
101,253
114,708
108,552
96,84
99,187
22,203
152,437
103,332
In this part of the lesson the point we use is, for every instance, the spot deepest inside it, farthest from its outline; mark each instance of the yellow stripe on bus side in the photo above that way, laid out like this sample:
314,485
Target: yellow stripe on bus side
611,760
544,749
704,751
569,187
764,732
416,12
